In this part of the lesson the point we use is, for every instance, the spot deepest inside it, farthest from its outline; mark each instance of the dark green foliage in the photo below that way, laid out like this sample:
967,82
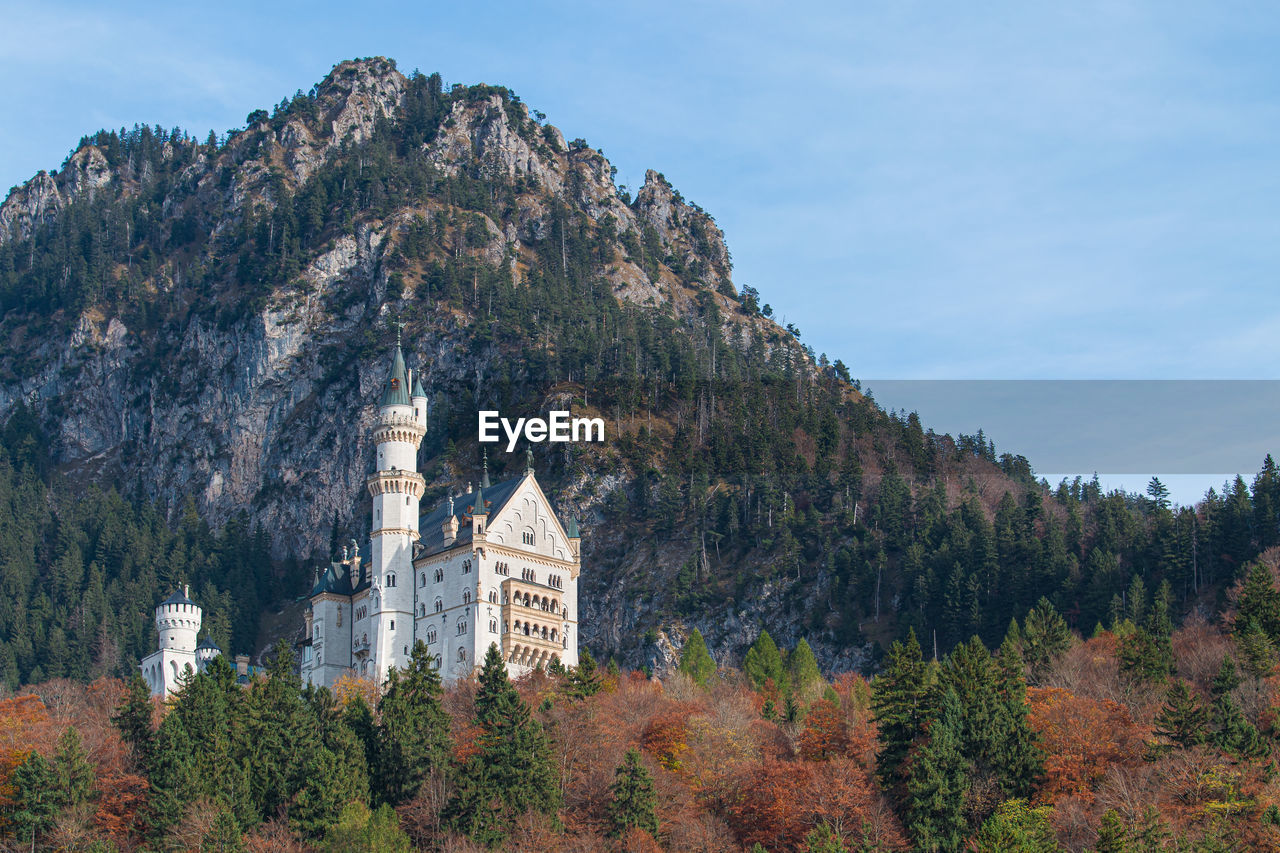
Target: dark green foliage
632,801
823,839
72,768
584,679
1045,635
1015,827
903,702
512,771
36,798
695,661
1182,720
1234,733
1259,603
133,719
936,783
763,664
413,729
1112,836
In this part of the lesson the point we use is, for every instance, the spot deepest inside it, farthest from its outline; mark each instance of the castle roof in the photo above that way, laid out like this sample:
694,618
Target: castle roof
495,498
207,643
417,384
396,392
337,579
178,597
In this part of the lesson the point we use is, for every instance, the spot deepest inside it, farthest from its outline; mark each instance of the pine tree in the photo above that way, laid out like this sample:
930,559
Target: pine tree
71,766
763,663
133,719
1256,649
328,786
224,835
584,679
695,661
1182,719
413,729
936,784
172,775
802,667
1112,836
1259,603
359,830
1045,635
512,772
1226,679
823,839
35,798
633,802
903,704
1235,734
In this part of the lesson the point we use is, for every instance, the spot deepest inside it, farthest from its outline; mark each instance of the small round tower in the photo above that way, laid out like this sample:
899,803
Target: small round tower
206,652
178,621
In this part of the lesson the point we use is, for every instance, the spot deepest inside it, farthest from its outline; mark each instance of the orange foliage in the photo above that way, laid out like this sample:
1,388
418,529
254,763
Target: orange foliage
1082,738
348,688
121,799
766,809
826,733
666,737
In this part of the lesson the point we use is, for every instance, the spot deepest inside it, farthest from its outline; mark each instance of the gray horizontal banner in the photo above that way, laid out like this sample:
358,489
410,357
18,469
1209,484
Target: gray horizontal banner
1193,426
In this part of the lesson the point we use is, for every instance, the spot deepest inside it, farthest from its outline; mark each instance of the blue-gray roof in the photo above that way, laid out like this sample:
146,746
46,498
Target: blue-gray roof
417,385
429,526
178,597
396,393
207,643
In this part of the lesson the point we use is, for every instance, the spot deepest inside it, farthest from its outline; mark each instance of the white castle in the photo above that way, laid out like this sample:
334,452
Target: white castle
493,566
178,624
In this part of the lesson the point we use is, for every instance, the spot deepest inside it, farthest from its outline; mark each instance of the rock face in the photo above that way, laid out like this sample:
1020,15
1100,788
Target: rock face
269,411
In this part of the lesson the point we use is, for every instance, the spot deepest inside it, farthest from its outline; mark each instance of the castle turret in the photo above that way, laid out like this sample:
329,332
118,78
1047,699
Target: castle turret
178,621
418,399
396,488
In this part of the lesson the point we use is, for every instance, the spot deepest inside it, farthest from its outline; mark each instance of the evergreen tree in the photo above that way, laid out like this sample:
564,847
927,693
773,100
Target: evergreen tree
133,719
224,835
1015,827
35,798
1257,650
695,661
413,728
823,839
1045,635
633,802
173,777
1234,733
936,784
71,766
1226,679
329,785
1259,603
903,704
1112,836
511,772
276,737
1182,720
584,679
763,663
802,667
359,830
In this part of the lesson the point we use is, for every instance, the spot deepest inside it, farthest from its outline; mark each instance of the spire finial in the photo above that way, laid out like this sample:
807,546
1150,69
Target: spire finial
450,503
399,324
528,460
485,481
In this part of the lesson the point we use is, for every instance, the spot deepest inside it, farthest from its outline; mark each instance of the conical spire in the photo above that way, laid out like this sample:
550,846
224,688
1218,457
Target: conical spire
417,384
573,528
477,507
396,393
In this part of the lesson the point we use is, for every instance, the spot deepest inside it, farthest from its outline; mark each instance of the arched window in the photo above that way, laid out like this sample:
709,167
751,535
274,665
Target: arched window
391,580
422,610
431,636
439,605
462,655
553,634
493,626
422,579
493,596
462,626
466,596
439,575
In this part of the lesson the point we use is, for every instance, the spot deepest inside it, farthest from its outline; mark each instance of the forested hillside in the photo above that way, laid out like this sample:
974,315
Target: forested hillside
196,328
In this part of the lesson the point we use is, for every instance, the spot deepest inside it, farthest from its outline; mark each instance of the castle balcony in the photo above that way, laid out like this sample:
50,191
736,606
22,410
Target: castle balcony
532,599
360,647
396,481
394,427
530,651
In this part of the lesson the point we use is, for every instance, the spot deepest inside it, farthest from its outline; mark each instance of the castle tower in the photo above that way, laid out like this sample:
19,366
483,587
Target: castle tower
396,488
178,621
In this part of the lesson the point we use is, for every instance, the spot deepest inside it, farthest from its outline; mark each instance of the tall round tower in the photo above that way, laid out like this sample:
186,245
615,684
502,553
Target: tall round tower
178,622
396,488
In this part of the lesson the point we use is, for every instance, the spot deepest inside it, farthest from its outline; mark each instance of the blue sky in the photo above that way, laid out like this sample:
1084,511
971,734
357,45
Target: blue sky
1084,190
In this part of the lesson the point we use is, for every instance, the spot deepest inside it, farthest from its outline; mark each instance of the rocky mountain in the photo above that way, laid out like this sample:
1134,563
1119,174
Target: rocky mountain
209,321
